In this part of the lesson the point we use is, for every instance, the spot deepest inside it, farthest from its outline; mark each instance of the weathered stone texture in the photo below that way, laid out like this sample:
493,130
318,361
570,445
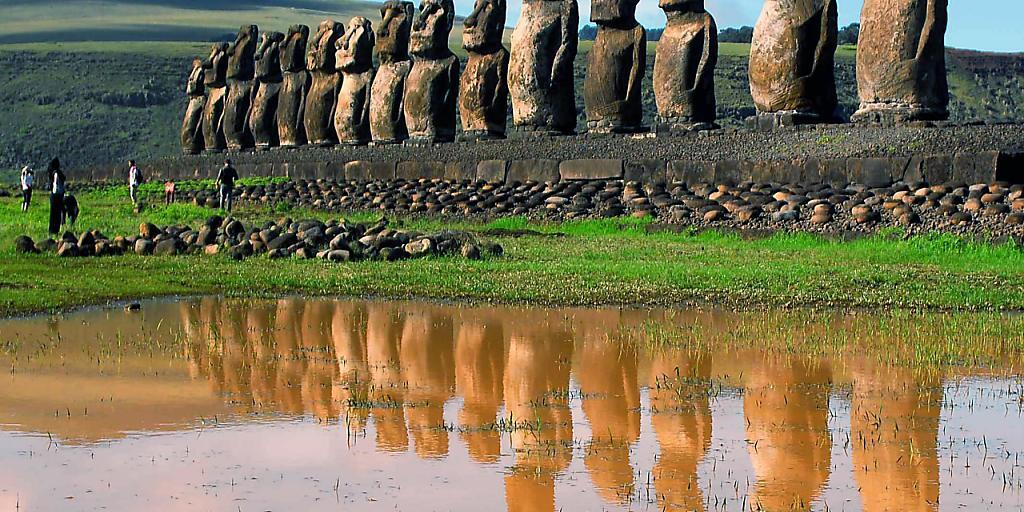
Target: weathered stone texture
192,125
387,116
263,116
432,88
540,76
684,65
483,98
241,71
294,84
323,93
615,68
354,60
215,69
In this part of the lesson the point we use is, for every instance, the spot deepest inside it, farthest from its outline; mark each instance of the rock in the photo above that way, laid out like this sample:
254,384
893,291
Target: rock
540,76
684,64
792,59
67,249
147,230
241,251
354,61
263,115
393,254
387,118
901,61
133,306
786,216
960,218
420,247
276,254
470,251
294,84
323,90
211,249
748,213
493,249
821,218
47,245
1015,219
215,70
432,87
282,241
144,247
483,90
25,245
339,256
240,74
866,216
714,215
304,253
616,65
909,219
169,247
192,125
206,236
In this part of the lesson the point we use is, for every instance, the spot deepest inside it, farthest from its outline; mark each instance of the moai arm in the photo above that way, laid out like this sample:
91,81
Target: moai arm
709,57
933,34
566,55
452,95
827,38
636,72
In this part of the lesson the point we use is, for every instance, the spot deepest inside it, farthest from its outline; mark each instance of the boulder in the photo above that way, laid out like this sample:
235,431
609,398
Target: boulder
144,247
25,245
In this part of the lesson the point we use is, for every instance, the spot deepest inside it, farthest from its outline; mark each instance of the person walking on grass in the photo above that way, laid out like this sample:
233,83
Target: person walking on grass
27,180
169,192
58,186
134,180
226,184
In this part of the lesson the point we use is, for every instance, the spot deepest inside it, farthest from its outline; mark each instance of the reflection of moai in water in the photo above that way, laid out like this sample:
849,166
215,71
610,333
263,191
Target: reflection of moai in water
432,89
294,84
792,61
684,66
483,99
192,126
901,61
263,114
387,118
215,69
540,75
323,92
241,71
615,68
354,61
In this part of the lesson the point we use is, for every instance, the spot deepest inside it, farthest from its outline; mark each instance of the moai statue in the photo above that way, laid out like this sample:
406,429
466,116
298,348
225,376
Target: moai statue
432,88
192,126
294,84
263,115
387,117
540,75
483,96
215,70
684,67
241,71
615,69
354,60
792,61
323,93
901,61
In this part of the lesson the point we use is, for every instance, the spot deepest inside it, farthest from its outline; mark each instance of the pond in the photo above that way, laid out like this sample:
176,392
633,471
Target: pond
295,404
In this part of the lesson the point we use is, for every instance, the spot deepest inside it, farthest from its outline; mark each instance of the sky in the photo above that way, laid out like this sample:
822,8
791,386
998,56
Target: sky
991,25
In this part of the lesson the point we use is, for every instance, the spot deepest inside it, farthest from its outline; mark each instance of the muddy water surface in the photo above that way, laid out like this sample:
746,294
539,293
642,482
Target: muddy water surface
294,404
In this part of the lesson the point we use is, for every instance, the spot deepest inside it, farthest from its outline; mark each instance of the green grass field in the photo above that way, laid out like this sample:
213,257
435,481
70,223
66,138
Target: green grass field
587,263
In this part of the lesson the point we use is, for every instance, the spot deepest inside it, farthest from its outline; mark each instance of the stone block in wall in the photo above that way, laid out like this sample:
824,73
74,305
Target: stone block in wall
591,169
536,170
759,171
416,169
334,171
645,171
914,171
1010,168
787,171
460,171
492,171
937,169
875,172
729,171
823,170
973,168
305,170
361,170
691,172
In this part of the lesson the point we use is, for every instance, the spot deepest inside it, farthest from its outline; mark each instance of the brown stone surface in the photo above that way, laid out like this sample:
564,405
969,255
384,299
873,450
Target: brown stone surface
615,68
354,60
387,116
792,58
492,171
684,65
901,62
540,76
323,92
215,69
237,102
363,170
590,169
539,170
263,115
432,87
294,84
483,96
192,125
420,169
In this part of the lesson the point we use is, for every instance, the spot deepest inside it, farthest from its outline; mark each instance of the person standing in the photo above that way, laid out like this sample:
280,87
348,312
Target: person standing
134,180
226,184
27,179
58,187
169,190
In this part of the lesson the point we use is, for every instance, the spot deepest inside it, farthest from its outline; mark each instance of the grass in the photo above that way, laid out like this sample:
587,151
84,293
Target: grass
593,262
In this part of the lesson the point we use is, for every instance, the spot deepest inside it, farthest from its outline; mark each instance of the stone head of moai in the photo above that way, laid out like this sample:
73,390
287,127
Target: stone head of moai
215,66
355,48
431,29
242,53
681,5
268,55
321,52
195,79
393,32
614,13
293,49
485,26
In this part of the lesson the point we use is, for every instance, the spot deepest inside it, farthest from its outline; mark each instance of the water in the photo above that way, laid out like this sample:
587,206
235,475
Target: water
294,404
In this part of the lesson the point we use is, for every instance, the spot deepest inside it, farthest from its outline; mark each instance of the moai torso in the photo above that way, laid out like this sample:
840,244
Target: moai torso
684,65
432,88
540,75
483,91
354,60
901,61
615,68
792,58
263,115
294,84
215,70
387,118
241,71
192,125
323,93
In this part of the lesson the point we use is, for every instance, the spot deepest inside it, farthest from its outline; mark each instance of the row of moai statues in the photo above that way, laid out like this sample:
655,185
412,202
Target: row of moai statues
284,90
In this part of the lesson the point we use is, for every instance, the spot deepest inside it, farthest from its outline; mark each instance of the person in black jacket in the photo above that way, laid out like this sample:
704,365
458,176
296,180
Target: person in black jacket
226,184
58,186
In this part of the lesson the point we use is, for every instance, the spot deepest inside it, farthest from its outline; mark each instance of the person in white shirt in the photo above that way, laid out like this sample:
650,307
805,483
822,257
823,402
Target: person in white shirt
134,180
27,180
